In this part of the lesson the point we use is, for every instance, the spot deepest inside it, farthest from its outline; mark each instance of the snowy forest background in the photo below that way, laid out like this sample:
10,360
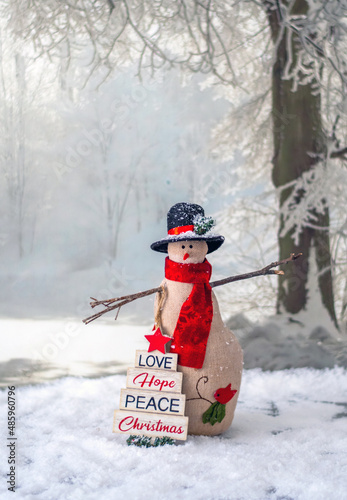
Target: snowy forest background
114,111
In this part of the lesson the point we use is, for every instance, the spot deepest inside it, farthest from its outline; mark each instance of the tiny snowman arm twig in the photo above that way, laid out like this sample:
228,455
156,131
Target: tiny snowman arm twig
117,303
261,272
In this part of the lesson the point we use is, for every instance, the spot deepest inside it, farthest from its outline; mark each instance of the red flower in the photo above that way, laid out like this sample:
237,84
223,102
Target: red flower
224,395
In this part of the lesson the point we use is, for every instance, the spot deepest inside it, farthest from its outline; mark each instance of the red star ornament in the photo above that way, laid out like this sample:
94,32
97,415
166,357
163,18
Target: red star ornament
157,341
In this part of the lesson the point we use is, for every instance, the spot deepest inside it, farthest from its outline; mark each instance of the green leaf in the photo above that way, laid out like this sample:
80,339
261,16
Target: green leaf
206,417
214,416
215,413
221,413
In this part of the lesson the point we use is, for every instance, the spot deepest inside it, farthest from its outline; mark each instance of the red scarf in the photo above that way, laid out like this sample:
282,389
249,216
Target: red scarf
194,322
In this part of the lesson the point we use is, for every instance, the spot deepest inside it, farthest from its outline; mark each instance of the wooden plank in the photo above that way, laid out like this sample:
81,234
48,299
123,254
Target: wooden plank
154,380
153,402
156,360
149,424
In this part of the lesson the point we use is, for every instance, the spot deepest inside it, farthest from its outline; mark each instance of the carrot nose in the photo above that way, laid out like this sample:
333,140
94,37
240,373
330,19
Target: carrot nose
185,256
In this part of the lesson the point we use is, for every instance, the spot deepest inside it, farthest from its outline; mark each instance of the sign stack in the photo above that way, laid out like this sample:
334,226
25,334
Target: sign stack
152,404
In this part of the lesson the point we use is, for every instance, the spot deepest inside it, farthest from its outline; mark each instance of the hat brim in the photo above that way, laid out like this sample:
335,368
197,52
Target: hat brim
213,241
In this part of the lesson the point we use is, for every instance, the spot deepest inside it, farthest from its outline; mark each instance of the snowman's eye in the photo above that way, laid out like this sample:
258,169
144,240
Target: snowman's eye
183,246
190,246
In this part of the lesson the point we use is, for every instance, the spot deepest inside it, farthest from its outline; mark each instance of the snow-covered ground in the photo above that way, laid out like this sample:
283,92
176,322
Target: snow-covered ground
34,351
288,441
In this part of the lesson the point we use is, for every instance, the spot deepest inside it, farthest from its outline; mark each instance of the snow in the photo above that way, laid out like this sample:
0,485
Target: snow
288,441
282,342
269,348
42,350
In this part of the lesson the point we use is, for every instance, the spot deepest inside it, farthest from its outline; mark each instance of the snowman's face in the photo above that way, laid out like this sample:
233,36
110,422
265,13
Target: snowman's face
188,252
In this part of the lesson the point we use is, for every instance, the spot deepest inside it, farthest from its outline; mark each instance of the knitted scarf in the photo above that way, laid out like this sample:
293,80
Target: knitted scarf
194,322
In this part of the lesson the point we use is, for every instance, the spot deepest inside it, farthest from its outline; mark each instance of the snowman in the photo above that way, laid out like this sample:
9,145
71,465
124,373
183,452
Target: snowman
209,355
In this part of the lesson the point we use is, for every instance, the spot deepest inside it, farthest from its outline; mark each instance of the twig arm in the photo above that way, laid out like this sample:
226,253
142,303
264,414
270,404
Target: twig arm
117,303
134,296
261,272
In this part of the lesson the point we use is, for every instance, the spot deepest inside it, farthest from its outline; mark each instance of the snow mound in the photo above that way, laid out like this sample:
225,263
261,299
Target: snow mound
288,440
283,343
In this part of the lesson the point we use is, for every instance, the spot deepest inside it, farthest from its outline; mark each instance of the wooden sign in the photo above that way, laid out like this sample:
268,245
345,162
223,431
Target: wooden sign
153,405
156,360
155,380
153,402
149,424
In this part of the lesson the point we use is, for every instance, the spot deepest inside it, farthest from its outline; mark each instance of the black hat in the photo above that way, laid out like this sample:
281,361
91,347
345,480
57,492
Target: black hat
187,221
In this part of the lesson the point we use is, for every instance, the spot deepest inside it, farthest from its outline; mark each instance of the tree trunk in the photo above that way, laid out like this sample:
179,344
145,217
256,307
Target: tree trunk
20,151
297,131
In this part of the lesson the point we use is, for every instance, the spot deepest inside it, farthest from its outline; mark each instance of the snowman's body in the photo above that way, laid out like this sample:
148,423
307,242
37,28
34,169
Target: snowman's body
223,359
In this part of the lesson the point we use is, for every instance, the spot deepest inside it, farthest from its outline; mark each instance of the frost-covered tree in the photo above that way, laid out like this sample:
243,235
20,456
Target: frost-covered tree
282,63
13,146
309,51
22,192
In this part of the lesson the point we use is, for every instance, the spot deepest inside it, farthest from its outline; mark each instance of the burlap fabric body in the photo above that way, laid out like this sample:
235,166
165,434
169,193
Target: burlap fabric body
222,366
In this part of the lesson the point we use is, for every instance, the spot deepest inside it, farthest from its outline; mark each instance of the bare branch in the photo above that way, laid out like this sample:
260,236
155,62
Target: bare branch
118,303
111,4
340,153
262,272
